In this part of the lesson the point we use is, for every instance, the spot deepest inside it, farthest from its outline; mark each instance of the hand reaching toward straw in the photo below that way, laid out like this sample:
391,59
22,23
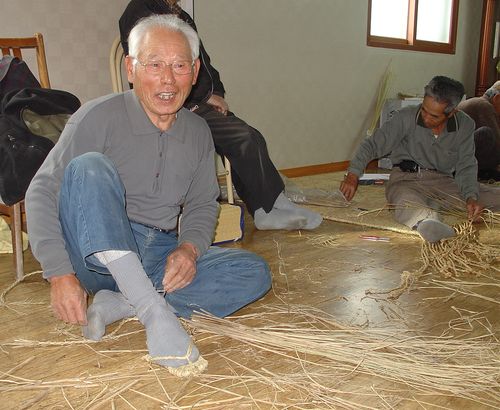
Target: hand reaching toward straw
181,267
349,186
68,299
474,209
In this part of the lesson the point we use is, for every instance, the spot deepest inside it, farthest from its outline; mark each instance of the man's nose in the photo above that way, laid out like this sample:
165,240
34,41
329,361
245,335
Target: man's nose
167,76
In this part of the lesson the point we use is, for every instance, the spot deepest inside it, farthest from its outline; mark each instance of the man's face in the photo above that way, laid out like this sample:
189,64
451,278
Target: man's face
164,93
432,112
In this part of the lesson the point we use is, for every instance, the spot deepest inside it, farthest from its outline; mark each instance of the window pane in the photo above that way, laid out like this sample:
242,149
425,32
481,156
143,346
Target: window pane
389,18
433,20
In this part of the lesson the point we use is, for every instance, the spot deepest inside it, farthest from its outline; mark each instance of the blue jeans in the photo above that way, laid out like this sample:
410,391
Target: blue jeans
93,217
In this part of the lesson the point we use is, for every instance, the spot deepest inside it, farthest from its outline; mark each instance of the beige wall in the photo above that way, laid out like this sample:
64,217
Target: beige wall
300,70
310,113
77,35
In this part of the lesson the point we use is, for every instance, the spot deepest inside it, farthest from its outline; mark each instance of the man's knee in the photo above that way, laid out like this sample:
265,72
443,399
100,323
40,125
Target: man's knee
91,167
92,162
395,190
262,277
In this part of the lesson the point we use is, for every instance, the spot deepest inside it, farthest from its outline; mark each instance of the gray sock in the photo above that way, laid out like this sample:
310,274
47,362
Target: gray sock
168,343
433,230
106,308
278,219
313,219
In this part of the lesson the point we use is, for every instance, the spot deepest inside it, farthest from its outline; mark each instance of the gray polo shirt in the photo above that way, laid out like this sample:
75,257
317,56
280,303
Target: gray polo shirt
162,172
405,136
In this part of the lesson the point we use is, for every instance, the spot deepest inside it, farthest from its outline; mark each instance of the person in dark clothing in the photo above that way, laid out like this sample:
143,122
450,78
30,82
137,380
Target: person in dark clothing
255,177
485,111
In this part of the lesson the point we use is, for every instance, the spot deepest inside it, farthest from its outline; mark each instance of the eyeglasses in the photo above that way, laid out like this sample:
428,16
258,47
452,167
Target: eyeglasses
154,67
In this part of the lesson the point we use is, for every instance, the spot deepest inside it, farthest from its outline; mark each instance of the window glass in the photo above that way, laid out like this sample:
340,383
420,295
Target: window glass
418,25
433,20
389,18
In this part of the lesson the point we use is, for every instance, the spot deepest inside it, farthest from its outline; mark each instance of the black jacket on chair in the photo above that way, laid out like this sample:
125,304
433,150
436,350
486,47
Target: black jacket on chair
21,151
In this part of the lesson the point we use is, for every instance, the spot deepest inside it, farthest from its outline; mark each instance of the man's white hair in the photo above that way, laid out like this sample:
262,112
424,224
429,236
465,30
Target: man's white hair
168,22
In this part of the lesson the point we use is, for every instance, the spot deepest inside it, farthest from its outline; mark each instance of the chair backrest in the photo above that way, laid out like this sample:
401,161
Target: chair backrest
116,57
14,47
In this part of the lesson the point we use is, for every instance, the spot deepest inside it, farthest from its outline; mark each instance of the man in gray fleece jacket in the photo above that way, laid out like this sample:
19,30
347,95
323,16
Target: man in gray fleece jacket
432,148
103,209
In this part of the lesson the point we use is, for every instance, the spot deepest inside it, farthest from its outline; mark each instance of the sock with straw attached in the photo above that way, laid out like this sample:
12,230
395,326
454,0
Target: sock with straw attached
168,343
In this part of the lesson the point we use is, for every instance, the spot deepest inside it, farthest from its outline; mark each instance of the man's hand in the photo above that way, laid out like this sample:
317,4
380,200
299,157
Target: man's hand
474,209
68,299
219,103
181,267
349,185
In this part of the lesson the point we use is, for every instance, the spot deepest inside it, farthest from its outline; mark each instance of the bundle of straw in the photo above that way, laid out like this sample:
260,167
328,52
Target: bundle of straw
383,90
465,368
455,257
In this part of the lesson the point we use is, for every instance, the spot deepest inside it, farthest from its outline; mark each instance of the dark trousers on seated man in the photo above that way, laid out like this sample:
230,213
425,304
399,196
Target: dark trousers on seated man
487,153
255,178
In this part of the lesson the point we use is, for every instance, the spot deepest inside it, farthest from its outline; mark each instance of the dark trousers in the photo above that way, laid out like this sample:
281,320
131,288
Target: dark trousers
487,150
255,177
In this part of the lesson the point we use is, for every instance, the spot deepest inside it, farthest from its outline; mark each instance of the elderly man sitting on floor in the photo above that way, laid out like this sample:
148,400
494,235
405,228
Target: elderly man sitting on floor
103,209
432,147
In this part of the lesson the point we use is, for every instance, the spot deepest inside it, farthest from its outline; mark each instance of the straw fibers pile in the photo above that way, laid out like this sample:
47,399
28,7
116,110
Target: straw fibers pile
281,357
328,355
369,207
460,258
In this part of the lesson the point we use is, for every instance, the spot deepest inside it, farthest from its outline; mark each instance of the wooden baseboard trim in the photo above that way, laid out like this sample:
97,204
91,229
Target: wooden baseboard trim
315,169
321,169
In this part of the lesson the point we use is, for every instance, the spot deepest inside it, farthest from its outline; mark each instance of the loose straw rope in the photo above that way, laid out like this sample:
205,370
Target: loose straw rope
13,285
190,369
454,257
405,231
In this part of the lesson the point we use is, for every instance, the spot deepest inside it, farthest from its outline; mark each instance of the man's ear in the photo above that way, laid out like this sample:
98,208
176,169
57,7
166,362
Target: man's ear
196,70
130,68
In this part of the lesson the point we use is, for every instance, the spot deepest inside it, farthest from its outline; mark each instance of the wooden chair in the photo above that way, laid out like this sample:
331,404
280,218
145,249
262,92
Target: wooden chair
230,223
15,213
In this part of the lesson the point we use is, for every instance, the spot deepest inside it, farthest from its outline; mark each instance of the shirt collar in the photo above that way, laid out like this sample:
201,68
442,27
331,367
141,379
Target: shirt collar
140,124
451,124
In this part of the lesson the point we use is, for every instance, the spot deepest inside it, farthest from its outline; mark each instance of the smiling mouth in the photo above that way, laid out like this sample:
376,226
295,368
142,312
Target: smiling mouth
166,96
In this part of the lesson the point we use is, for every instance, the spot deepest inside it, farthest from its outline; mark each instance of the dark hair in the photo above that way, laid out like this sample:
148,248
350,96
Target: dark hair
445,89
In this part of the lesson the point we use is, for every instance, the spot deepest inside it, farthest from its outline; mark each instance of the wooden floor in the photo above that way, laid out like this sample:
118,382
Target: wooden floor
46,365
